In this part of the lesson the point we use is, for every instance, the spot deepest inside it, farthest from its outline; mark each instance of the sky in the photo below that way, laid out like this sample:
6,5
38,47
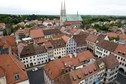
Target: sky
52,7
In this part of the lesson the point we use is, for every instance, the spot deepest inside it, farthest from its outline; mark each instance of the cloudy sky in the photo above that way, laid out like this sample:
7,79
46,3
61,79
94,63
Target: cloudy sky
52,7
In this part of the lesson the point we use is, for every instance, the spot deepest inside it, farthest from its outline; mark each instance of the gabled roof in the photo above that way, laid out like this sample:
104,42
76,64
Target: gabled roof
121,50
12,66
110,61
122,36
73,77
39,49
58,43
108,45
73,18
9,40
51,31
112,34
27,51
30,50
55,68
90,69
65,38
86,55
25,31
48,45
92,38
80,39
101,37
36,33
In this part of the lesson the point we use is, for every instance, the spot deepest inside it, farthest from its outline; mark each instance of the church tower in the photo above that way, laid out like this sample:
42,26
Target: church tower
62,13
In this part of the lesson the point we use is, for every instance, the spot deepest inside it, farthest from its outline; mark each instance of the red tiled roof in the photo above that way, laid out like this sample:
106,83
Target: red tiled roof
9,40
24,31
40,41
112,34
110,61
108,45
90,69
121,50
85,56
57,36
48,45
6,45
92,38
54,68
2,72
65,38
12,66
36,33
72,22
122,36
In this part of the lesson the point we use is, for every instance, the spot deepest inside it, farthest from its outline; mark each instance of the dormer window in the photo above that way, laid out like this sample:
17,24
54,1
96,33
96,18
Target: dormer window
79,77
74,78
16,76
123,53
85,74
119,52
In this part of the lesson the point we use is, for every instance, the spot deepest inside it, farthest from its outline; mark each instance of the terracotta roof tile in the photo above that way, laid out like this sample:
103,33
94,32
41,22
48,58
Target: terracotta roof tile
112,34
72,22
57,36
51,31
36,33
80,39
90,69
121,50
108,45
48,45
101,37
55,68
25,31
12,66
58,43
92,38
86,55
65,38
9,40
122,36
2,72
111,62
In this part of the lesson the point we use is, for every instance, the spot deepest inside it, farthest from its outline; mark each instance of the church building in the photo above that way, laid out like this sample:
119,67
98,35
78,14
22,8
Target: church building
69,20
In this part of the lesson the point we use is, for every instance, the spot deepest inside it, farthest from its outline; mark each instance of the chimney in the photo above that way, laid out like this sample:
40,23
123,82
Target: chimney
75,54
70,55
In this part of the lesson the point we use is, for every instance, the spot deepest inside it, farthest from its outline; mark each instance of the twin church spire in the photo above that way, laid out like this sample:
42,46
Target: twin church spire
63,6
62,13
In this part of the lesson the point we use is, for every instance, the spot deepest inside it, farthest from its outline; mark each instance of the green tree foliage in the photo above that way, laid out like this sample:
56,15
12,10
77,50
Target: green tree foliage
114,38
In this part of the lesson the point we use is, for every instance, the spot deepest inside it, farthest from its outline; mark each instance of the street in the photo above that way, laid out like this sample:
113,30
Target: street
121,78
36,77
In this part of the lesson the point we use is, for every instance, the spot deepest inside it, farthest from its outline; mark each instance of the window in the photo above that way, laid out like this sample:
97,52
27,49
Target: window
16,76
121,58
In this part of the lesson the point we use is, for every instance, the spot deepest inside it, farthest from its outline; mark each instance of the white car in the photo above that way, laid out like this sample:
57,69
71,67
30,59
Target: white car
35,69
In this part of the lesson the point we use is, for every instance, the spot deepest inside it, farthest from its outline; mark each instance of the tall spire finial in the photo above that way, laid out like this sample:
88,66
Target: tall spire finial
61,5
64,5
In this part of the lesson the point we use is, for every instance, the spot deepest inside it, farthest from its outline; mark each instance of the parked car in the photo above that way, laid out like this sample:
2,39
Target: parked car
35,69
